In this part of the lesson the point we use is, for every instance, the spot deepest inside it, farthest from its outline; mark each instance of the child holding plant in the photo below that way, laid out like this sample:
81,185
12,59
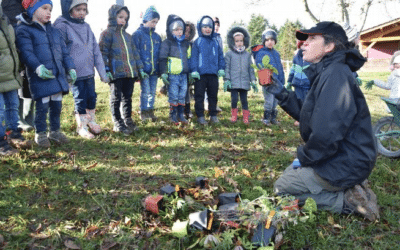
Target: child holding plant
267,57
239,73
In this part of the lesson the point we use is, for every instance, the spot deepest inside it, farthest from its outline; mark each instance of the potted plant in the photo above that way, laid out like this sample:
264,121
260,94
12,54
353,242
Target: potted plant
265,71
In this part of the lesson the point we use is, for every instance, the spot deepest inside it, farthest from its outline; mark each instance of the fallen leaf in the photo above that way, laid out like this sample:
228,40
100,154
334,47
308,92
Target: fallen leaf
127,221
70,244
94,165
246,173
218,172
331,220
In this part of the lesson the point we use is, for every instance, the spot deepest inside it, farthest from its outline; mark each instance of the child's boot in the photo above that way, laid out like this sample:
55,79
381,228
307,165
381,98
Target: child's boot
144,115
234,113
82,129
130,124
57,137
246,116
119,126
188,112
94,127
42,140
181,116
267,118
274,114
6,149
16,140
173,115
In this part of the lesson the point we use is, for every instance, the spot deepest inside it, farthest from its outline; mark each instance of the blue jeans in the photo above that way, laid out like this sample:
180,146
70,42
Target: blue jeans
148,92
9,104
85,96
270,102
177,89
54,110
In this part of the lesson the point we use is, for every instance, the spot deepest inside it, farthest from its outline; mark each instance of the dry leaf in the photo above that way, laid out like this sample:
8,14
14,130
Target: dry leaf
94,165
331,220
218,172
246,173
70,244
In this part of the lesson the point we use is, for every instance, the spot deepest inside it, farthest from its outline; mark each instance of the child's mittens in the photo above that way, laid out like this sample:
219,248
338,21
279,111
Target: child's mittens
195,75
72,76
289,86
143,74
221,73
227,85
369,84
44,73
254,86
164,78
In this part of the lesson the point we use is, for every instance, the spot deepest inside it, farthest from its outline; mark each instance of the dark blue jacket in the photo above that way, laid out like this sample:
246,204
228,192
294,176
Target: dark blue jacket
297,76
260,52
38,46
148,43
207,56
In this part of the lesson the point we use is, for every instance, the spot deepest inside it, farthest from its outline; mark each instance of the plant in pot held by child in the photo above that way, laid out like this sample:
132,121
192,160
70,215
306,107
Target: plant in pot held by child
265,70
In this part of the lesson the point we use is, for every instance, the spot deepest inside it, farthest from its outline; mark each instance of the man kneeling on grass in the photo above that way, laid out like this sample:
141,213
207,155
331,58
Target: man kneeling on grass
339,151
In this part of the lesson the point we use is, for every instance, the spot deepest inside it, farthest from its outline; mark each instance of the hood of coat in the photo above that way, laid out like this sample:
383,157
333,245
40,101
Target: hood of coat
192,31
112,15
231,40
65,5
171,19
24,18
200,34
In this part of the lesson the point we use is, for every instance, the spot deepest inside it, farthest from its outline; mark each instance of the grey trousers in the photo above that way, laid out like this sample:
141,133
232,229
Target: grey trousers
304,182
270,102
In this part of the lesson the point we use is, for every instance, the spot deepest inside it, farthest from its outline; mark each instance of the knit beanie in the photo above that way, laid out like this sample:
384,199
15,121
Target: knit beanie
76,3
351,32
32,5
395,58
150,14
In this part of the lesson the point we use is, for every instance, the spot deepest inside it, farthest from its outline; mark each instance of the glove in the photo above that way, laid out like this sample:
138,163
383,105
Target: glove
221,73
72,75
254,86
195,75
164,78
191,80
289,86
369,84
110,76
275,87
359,81
44,73
143,74
227,85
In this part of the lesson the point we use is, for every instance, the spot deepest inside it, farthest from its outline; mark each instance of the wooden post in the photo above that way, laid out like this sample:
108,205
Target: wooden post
120,2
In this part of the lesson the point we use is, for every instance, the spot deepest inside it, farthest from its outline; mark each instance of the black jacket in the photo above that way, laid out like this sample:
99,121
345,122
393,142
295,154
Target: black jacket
12,8
335,122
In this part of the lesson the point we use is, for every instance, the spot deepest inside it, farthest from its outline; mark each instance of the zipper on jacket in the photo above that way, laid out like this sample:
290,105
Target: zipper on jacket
152,54
127,53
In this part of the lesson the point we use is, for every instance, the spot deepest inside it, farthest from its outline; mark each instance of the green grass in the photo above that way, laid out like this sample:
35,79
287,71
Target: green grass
90,193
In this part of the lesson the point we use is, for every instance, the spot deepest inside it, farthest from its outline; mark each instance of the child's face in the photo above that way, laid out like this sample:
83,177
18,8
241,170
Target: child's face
206,30
178,32
216,27
187,32
43,14
152,23
396,65
122,17
238,41
269,43
79,11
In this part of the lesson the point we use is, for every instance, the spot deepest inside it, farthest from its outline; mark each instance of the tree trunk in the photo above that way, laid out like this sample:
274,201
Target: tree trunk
364,12
309,12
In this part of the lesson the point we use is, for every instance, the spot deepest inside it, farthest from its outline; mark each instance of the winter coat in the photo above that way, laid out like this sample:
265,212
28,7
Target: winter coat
238,64
37,46
12,8
81,43
174,52
207,56
260,51
118,49
296,75
148,42
393,84
10,78
335,122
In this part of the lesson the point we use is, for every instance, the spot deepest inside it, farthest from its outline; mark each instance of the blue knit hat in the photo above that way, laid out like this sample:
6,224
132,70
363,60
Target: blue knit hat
32,5
150,14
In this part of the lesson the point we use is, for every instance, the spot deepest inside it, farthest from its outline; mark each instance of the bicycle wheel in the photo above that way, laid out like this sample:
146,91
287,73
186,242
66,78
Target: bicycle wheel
387,134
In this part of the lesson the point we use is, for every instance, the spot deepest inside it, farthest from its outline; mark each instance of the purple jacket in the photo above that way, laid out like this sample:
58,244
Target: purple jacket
83,48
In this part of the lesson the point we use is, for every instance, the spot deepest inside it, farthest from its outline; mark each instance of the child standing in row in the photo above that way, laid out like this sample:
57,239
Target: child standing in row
174,66
269,40
207,64
148,43
239,73
122,65
190,33
46,57
85,51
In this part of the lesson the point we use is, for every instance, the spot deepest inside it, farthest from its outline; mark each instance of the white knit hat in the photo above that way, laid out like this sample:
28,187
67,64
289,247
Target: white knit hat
77,2
351,32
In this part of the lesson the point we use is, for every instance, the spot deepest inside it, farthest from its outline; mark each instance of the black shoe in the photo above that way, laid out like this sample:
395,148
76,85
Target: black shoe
130,124
120,127
6,149
16,139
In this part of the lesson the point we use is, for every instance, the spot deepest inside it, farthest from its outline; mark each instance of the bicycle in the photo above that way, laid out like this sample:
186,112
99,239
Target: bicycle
387,130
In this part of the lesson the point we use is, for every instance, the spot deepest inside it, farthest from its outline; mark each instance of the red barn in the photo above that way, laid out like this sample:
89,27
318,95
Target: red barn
379,43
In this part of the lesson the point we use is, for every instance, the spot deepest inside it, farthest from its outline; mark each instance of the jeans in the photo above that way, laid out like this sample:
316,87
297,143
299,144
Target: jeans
41,115
9,104
148,92
209,83
121,92
177,89
235,98
270,102
85,96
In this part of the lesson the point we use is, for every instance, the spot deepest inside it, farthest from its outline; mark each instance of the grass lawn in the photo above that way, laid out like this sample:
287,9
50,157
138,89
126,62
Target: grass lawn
88,194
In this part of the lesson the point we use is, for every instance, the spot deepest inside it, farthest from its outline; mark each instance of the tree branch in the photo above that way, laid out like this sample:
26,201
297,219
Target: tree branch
364,11
345,13
309,12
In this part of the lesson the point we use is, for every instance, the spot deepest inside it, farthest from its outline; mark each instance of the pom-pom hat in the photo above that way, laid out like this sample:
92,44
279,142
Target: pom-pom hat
32,5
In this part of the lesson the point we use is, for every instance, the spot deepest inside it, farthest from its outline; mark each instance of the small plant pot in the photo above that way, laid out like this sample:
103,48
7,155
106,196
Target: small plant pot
154,203
262,236
167,189
201,220
265,76
228,198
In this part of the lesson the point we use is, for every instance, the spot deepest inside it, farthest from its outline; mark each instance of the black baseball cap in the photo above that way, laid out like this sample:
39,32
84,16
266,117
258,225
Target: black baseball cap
324,28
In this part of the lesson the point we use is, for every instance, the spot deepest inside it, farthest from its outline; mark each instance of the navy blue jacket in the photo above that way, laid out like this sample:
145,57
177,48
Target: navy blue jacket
207,56
297,75
260,52
39,46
